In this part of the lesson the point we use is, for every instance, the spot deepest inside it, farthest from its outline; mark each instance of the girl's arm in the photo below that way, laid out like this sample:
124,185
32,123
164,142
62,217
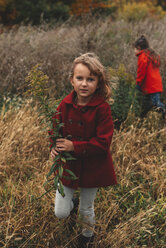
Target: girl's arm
142,69
100,144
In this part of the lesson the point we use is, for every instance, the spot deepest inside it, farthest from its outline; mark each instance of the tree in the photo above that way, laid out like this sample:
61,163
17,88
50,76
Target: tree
6,11
32,11
80,7
162,3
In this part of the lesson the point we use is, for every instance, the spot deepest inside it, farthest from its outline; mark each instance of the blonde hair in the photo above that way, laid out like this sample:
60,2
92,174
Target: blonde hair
97,69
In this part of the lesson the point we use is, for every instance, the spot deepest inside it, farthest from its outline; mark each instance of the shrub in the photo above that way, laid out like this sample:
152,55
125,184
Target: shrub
126,104
56,11
34,12
9,101
139,11
79,8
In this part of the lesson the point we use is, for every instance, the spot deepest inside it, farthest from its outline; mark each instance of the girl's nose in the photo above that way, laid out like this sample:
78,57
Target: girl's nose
84,82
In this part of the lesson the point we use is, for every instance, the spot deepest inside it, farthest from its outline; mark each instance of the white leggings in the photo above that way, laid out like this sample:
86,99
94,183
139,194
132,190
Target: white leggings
64,205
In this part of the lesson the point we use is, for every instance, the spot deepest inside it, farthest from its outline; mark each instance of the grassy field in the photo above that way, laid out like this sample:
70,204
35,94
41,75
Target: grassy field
128,215
54,48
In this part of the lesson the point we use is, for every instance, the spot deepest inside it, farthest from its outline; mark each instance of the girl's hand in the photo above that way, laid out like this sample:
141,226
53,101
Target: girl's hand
54,153
64,145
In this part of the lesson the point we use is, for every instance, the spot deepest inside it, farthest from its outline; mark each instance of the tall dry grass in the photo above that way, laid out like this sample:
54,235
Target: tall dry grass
131,214
55,48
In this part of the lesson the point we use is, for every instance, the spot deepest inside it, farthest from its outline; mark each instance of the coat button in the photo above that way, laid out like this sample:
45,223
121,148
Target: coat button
70,121
83,110
80,123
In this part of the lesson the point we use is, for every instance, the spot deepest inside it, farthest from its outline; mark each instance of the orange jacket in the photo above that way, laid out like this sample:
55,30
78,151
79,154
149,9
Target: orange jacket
148,74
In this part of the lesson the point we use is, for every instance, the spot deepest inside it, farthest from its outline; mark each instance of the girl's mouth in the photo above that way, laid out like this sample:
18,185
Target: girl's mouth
83,90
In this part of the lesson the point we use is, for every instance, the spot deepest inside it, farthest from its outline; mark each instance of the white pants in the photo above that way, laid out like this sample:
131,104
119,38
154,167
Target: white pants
64,205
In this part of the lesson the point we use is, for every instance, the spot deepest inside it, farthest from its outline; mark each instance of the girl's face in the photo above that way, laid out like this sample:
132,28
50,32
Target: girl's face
84,83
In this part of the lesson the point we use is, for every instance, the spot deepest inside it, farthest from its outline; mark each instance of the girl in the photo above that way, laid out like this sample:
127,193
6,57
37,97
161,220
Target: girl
148,79
87,132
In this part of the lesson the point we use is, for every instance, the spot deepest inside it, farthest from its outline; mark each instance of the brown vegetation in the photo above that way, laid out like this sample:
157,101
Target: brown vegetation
55,48
130,214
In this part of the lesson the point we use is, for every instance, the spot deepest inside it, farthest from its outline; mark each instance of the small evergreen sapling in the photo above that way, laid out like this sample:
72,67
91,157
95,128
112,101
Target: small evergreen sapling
37,88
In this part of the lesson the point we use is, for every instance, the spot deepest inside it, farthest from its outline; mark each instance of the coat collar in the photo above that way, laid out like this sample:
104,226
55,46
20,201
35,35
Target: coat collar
139,53
95,100
147,53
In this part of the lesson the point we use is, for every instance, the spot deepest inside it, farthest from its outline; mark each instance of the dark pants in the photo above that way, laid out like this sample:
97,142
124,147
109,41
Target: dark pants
152,101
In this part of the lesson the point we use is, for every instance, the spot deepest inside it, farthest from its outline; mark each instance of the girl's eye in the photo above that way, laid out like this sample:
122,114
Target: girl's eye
90,79
79,78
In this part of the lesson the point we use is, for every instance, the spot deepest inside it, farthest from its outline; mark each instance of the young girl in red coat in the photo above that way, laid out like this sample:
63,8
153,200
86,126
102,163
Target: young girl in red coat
148,79
87,132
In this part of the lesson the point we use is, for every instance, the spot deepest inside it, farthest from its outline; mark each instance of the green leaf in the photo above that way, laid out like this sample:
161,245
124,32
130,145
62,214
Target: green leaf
63,159
56,158
71,173
61,189
71,158
46,182
51,171
49,190
69,178
67,154
56,179
53,168
60,170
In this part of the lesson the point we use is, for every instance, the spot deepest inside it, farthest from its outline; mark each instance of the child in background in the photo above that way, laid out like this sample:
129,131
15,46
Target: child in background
87,132
148,79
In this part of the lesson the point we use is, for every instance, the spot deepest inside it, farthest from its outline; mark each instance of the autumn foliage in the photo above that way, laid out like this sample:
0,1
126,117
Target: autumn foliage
17,11
6,13
86,6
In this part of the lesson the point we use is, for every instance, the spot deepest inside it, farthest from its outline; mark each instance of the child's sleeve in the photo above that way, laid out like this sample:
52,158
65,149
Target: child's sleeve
141,69
100,144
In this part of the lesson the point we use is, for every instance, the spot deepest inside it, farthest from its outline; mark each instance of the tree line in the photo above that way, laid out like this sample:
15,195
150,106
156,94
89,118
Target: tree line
36,11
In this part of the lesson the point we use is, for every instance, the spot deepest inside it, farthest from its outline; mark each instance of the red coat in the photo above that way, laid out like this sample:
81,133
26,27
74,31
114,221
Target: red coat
148,75
90,128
